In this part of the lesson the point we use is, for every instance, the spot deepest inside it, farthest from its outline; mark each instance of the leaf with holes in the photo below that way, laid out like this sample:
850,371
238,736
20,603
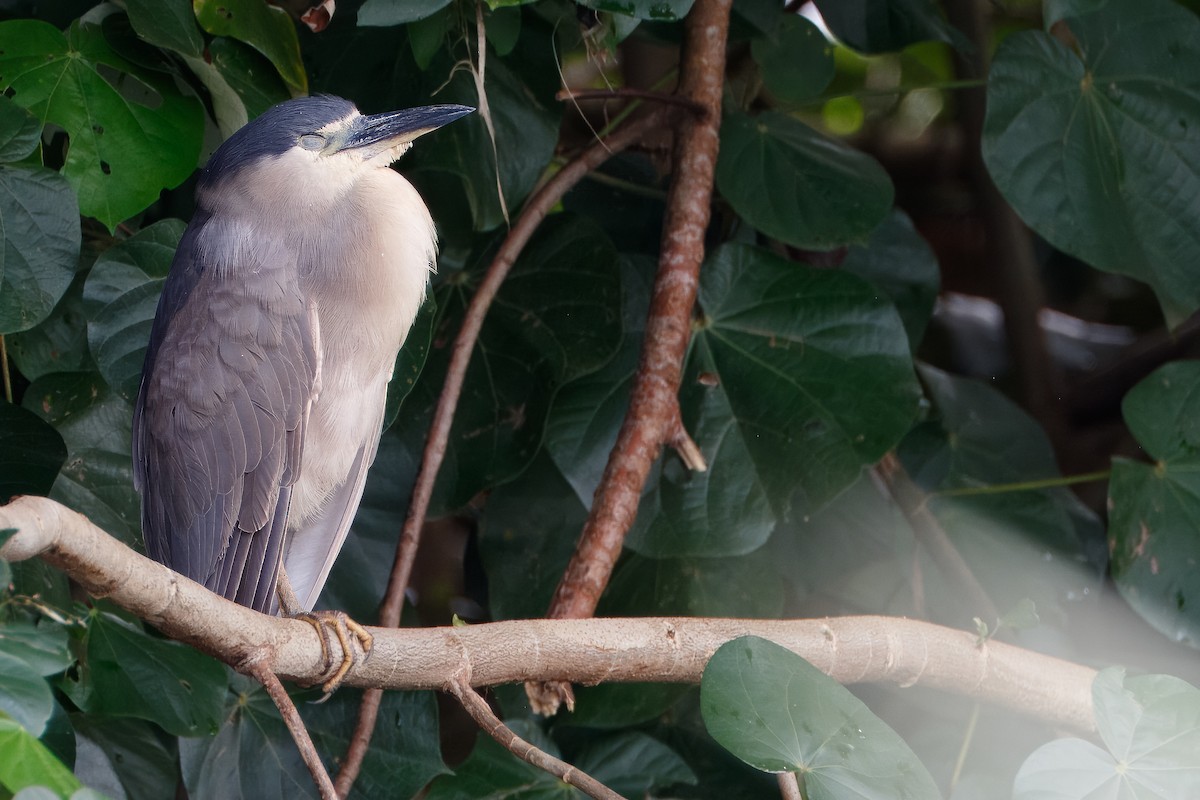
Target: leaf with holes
123,152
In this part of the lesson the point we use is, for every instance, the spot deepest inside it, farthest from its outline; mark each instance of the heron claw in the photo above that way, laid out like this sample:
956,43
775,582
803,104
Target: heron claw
337,625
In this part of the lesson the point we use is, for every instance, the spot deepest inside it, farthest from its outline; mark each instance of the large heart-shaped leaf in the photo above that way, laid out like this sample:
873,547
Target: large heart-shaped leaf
798,186
775,711
128,673
1097,147
795,58
122,152
797,378
1150,725
1153,507
20,131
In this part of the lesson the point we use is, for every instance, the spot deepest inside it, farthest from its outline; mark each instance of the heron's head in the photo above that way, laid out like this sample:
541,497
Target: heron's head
311,151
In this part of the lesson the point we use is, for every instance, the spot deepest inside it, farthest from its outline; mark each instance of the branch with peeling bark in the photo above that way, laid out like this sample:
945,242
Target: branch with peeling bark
668,650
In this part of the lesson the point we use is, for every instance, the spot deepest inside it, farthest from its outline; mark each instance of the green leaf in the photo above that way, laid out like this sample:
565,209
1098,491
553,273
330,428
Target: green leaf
59,342
167,23
253,757
633,764
795,58
40,221
97,480
555,318
1040,544
128,673
897,260
775,711
31,453
527,535
1150,725
248,73
24,694
618,705
43,647
797,186
268,29
747,586
427,36
133,754
878,26
404,755
20,132
797,378
1098,148
503,28
526,134
492,771
122,152
410,360
381,13
655,10
120,298
1152,507
27,762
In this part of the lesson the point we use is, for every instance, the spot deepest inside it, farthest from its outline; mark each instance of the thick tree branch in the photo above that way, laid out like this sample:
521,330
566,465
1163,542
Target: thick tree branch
669,650
536,209
654,403
650,421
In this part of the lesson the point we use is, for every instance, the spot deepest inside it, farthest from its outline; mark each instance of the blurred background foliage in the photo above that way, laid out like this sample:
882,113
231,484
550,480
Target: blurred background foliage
962,234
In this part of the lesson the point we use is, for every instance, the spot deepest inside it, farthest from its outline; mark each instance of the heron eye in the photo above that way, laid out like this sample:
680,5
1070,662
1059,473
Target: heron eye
312,141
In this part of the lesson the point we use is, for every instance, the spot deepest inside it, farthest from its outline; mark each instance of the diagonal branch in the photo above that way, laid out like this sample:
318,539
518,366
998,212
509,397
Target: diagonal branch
492,725
538,206
650,420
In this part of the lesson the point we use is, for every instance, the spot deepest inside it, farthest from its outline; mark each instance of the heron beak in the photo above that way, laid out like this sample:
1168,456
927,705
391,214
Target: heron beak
379,132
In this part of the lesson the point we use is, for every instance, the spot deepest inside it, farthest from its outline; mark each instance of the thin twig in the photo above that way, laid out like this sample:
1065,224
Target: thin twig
931,536
789,786
536,209
4,373
627,92
492,725
654,402
291,717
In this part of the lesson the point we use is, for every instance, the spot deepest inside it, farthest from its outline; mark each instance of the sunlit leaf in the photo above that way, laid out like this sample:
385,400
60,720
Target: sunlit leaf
123,151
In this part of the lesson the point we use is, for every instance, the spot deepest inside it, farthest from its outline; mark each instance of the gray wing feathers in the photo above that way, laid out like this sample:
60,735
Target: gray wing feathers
219,424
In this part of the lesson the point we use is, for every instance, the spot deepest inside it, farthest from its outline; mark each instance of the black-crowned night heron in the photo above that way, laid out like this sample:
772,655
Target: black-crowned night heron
263,390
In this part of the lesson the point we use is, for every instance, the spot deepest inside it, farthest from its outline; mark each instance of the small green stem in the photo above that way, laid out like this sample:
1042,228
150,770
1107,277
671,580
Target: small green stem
8,393
1025,486
968,736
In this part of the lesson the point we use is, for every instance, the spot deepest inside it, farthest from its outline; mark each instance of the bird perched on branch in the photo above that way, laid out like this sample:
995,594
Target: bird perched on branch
262,395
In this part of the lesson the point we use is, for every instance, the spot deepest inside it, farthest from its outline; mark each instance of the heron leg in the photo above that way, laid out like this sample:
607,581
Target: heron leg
330,625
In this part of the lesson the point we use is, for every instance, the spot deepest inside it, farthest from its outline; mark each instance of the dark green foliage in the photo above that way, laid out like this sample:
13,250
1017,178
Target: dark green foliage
801,373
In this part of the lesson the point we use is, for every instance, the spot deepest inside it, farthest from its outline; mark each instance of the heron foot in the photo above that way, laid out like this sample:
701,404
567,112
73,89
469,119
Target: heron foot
336,627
